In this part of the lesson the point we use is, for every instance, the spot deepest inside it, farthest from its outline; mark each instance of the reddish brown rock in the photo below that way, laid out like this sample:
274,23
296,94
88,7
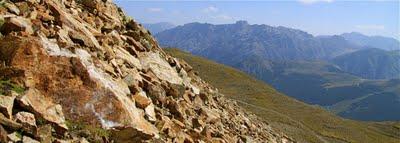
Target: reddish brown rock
141,101
3,135
17,24
44,108
87,91
77,30
131,135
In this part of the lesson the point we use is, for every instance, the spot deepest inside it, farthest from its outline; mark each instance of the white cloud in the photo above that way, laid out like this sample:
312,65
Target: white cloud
371,27
216,14
314,1
154,9
210,9
223,17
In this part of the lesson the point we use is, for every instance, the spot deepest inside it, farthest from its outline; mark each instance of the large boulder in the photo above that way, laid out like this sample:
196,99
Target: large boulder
82,95
16,24
26,119
6,105
43,107
160,67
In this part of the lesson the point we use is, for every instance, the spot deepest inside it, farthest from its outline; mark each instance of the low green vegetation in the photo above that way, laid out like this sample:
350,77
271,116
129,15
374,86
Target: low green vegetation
303,122
2,2
6,85
126,19
1,21
90,132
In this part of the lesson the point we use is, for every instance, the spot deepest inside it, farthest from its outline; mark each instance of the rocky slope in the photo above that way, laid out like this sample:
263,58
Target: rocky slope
82,71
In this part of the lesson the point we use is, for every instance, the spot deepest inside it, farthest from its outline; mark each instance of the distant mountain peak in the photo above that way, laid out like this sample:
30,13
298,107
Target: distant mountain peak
355,33
381,42
242,22
272,43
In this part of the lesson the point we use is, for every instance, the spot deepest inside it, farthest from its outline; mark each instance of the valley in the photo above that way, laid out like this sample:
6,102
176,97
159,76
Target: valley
306,123
352,80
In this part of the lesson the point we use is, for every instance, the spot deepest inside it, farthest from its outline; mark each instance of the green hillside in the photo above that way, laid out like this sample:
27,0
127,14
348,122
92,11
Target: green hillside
325,84
301,121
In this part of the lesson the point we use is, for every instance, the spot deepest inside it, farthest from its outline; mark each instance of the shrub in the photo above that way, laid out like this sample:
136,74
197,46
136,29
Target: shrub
6,86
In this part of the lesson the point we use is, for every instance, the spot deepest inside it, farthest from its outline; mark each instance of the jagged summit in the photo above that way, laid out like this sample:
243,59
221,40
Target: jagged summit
82,71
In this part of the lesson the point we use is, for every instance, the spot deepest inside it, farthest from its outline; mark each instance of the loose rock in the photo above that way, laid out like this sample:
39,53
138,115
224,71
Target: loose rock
27,139
6,105
14,137
26,119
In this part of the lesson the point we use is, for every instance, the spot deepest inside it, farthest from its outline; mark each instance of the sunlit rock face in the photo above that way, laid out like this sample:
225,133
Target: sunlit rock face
83,65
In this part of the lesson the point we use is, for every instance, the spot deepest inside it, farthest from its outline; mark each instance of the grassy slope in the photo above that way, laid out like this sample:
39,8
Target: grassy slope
301,121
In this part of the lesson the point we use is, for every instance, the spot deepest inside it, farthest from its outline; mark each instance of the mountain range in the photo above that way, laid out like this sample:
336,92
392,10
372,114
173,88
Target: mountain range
222,42
321,70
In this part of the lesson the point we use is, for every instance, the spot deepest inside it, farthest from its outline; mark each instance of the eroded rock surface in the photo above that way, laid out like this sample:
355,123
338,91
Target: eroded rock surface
90,73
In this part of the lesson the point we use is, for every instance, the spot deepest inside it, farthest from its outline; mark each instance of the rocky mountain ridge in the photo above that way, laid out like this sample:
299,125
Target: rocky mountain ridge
338,72
88,73
230,43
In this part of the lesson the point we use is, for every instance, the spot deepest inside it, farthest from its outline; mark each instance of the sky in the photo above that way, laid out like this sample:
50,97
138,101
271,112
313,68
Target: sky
318,17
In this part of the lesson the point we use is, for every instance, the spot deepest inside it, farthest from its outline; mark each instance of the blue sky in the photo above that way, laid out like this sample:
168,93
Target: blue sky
318,17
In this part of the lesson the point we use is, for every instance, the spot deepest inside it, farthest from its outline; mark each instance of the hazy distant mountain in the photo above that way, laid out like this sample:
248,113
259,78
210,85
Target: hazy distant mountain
158,27
230,43
371,63
336,45
294,62
380,42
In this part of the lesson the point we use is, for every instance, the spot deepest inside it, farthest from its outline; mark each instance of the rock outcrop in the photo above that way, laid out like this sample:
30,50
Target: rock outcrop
90,73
